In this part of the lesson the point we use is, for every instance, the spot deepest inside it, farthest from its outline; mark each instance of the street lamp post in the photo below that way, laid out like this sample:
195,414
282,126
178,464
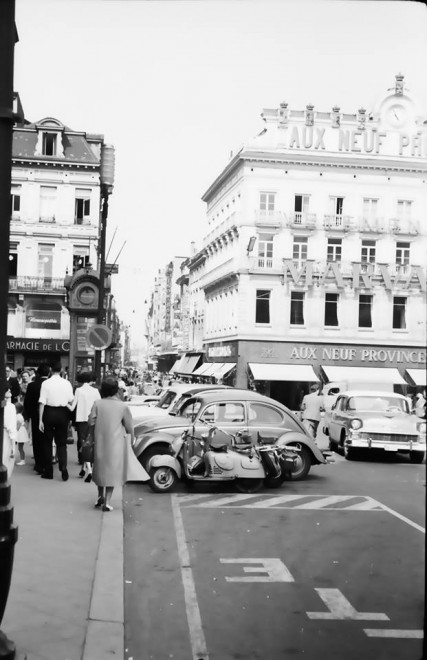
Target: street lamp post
107,183
8,531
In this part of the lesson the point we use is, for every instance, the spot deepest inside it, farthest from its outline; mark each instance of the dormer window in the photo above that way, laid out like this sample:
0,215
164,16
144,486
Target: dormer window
49,144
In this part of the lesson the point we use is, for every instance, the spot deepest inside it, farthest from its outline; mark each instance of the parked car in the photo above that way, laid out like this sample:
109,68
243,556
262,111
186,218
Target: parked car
376,420
231,410
139,404
172,398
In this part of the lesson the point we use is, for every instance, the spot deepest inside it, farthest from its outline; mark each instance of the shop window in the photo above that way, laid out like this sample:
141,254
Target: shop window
334,250
403,252
368,252
82,207
265,251
262,311
365,311
331,309
49,144
299,249
267,202
15,198
297,308
399,313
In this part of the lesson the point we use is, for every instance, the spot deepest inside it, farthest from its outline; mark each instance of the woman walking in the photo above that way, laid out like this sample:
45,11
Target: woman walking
114,461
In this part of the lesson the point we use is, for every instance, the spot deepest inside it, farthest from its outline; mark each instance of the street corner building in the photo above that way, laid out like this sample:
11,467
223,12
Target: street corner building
313,263
54,233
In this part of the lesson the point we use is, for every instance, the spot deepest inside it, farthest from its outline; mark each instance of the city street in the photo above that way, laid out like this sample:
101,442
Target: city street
328,567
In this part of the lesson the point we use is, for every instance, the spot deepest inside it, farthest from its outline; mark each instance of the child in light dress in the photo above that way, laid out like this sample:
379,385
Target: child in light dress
22,436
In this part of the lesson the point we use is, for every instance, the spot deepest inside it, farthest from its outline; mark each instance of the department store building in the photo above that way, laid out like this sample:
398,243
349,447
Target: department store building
313,265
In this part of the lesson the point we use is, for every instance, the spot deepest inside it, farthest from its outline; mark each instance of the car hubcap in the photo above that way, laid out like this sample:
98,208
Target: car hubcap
164,478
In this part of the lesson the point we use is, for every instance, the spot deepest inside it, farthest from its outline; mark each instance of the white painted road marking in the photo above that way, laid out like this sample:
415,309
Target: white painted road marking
340,608
274,568
396,634
197,636
315,502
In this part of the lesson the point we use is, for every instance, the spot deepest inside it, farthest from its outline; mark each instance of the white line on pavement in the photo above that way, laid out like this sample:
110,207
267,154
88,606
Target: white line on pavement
197,636
397,634
404,518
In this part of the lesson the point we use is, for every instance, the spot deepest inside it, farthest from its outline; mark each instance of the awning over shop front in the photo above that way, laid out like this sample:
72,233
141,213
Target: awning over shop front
186,368
200,371
364,374
290,372
177,364
419,376
223,369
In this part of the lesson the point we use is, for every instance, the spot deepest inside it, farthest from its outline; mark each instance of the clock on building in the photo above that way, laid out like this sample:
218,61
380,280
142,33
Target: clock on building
397,112
86,294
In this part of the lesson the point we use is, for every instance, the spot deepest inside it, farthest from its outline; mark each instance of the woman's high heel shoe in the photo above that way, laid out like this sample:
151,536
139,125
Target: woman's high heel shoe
107,507
99,502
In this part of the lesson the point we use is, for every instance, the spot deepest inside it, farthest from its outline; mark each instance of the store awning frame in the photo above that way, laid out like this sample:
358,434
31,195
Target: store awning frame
187,367
374,375
200,371
177,364
285,372
418,376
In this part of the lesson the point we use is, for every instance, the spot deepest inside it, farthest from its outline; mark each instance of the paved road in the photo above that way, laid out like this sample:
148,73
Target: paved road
329,567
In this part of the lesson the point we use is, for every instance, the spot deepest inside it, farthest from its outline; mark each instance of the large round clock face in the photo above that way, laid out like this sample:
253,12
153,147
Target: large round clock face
86,294
397,115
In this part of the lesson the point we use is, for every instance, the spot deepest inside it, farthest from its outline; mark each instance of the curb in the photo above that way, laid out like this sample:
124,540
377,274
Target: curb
105,630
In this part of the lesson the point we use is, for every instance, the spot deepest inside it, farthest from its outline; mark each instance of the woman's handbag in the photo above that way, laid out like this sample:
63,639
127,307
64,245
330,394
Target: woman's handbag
87,448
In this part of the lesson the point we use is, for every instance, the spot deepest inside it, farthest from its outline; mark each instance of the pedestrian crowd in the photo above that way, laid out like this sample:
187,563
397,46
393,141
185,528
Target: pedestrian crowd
41,408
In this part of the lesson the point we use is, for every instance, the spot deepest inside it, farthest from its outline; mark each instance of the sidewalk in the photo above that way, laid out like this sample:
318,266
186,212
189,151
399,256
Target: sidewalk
66,597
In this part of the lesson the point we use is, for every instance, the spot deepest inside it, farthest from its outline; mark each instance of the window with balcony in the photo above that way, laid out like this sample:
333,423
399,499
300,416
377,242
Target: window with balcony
45,261
82,207
262,309
331,309
297,308
80,257
301,206
368,252
299,250
267,202
403,253
49,144
13,259
47,203
15,198
265,250
365,311
399,313
370,208
334,250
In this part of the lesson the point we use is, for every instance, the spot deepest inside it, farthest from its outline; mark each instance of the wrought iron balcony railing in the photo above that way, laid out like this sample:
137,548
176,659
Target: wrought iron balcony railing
42,284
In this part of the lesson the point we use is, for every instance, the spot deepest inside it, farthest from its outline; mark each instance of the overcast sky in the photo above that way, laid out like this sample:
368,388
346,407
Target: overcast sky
175,86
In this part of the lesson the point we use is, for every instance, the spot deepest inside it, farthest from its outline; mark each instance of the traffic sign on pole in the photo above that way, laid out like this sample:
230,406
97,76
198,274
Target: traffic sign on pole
99,337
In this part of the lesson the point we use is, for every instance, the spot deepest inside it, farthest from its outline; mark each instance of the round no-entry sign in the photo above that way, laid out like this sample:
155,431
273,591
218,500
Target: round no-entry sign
99,337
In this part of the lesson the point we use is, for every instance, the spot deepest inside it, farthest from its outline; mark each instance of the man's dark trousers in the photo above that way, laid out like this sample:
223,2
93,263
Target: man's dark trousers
37,438
55,420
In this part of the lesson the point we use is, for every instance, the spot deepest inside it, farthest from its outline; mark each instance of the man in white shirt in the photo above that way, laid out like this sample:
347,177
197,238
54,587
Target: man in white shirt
312,406
56,394
84,398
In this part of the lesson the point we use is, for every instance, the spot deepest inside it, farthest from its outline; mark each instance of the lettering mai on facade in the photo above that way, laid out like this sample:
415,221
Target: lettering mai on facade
359,276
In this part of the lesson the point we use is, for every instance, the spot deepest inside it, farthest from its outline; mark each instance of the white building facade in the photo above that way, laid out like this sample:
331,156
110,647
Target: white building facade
315,252
55,200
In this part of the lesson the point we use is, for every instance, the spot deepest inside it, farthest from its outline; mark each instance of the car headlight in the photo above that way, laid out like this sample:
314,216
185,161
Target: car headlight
422,427
356,424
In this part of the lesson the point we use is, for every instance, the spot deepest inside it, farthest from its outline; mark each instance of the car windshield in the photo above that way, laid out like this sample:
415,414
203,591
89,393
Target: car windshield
166,399
376,403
